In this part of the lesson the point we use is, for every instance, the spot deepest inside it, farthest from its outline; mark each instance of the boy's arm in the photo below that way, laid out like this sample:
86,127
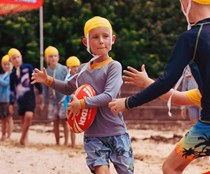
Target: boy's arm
4,81
12,90
141,79
60,86
39,87
111,89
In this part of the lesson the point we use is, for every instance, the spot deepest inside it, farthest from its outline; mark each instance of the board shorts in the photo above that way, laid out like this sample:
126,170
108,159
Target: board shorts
22,111
196,142
24,107
117,149
4,110
56,111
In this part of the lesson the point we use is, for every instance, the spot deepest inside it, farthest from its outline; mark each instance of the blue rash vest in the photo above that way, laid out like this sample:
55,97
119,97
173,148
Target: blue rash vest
192,47
4,87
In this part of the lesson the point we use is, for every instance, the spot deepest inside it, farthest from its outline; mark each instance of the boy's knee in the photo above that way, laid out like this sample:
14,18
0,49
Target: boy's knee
165,167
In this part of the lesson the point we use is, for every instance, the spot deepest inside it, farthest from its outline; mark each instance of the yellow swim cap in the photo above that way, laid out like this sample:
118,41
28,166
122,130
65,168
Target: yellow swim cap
51,50
13,51
72,61
96,22
5,58
202,1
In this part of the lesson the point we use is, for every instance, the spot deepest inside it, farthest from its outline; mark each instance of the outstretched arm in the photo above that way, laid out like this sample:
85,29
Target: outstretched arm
141,79
41,76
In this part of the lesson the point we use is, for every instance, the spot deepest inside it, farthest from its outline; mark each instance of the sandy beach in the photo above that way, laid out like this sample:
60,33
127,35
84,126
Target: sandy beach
151,145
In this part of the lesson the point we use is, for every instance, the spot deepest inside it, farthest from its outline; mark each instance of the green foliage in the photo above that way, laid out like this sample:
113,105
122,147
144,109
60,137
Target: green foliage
146,30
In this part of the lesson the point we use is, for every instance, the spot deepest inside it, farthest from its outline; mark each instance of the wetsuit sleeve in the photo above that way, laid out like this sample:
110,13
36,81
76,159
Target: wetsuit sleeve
179,59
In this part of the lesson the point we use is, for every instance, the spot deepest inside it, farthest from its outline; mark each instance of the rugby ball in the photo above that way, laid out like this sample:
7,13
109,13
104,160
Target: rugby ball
83,119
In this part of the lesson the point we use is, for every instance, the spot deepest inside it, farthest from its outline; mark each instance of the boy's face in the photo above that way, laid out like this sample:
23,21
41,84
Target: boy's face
52,60
6,66
16,60
100,42
73,69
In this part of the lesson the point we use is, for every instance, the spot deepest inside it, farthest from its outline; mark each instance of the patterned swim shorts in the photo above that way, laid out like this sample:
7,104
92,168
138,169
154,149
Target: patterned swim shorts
196,142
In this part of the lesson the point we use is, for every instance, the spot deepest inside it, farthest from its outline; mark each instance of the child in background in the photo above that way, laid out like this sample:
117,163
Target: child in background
54,99
22,91
7,120
72,64
187,84
107,139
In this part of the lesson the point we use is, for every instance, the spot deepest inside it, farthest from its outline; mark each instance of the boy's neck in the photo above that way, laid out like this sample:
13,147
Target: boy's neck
18,66
53,66
101,59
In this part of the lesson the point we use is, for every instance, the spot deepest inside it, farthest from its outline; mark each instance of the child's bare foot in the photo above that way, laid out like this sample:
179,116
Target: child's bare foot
3,138
22,142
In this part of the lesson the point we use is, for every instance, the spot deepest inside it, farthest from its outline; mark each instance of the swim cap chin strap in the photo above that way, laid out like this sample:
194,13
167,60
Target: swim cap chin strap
187,13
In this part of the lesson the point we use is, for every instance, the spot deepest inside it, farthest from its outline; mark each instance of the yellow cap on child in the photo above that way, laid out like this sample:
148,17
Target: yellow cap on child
96,22
72,61
14,51
202,1
5,58
50,50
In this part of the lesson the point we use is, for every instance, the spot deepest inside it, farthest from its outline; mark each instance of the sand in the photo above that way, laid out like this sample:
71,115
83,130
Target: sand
151,145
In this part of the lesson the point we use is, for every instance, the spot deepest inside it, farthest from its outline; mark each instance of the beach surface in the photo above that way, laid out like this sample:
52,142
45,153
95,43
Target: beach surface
151,145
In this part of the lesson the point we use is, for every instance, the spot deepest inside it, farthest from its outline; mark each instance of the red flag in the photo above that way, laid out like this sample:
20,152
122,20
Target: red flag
12,6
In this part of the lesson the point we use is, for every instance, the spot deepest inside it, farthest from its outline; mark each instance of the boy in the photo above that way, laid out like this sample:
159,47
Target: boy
72,63
192,48
107,138
7,120
22,91
53,98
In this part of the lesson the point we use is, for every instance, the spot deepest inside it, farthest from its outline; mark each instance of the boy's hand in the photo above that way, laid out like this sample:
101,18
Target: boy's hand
74,106
39,76
135,77
117,105
43,106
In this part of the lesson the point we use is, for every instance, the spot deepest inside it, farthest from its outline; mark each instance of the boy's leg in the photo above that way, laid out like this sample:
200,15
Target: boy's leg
174,164
10,126
65,131
4,122
73,139
102,170
56,131
26,122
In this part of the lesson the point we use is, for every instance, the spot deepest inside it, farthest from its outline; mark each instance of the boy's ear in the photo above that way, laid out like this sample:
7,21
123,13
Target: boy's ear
113,38
84,41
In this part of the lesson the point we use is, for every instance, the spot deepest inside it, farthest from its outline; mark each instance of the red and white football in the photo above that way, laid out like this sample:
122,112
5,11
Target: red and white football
83,119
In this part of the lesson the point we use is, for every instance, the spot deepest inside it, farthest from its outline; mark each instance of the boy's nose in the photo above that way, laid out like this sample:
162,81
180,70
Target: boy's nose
101,40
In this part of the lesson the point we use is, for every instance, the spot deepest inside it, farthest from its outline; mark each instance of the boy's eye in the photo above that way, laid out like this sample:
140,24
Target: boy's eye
95,37
105,35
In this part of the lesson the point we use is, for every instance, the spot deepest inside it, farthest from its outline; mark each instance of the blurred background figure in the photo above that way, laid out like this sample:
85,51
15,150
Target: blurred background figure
52,98
5,116
72,64
189,83
22,92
